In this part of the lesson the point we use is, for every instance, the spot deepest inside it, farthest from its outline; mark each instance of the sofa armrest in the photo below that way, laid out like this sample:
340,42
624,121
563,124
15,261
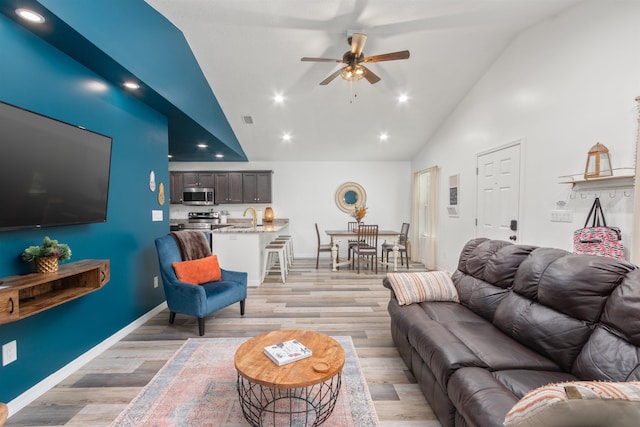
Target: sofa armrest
387,284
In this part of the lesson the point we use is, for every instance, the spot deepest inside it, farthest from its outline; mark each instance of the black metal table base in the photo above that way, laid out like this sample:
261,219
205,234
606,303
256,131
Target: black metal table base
300,407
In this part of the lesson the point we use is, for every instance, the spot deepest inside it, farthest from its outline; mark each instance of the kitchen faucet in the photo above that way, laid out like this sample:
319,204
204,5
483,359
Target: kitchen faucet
254,216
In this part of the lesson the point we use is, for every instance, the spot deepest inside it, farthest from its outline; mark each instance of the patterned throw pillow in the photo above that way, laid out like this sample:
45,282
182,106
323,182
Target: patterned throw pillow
424,286
198,271
578,403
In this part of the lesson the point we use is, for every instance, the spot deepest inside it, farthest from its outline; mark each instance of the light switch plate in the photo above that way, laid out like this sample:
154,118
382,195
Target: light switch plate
156,215
9,353
561,215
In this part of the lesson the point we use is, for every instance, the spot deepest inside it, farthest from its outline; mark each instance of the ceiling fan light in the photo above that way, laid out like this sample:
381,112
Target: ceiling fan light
352,73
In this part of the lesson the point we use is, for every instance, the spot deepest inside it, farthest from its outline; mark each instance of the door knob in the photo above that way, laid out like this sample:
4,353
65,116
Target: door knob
513,237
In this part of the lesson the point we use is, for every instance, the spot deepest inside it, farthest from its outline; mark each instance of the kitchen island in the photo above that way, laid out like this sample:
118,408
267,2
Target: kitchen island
240,247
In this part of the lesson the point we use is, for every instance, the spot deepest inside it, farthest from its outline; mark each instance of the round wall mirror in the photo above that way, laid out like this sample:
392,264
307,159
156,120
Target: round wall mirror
349,196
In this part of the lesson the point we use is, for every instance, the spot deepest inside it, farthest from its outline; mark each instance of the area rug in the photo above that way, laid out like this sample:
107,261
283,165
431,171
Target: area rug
197,387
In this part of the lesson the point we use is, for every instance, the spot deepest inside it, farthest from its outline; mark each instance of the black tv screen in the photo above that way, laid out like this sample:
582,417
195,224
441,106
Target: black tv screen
51,173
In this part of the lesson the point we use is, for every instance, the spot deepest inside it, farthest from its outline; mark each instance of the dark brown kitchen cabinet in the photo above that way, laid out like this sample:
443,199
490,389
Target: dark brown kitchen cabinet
228,187
256,187
198,179
175,187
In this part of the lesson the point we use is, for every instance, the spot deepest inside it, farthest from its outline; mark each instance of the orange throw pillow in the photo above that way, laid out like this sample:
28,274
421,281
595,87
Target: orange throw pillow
198,271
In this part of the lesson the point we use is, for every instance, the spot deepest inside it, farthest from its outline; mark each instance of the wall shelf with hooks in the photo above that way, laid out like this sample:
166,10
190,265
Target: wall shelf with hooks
623,180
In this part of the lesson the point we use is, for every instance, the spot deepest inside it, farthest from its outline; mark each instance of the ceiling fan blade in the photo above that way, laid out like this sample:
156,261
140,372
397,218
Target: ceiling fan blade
331,77
370,75
403,54
321,59
357,44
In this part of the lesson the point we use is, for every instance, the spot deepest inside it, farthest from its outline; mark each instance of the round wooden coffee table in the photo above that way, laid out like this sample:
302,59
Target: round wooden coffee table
300,393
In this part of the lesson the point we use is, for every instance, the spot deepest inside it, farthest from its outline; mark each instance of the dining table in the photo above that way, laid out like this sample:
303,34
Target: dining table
338,235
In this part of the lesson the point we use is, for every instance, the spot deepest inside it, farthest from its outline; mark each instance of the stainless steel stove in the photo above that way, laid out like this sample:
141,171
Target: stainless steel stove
204,217
205,221
205,226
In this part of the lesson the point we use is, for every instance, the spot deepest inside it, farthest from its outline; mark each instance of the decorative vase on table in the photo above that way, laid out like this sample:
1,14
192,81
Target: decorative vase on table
359,213
46,265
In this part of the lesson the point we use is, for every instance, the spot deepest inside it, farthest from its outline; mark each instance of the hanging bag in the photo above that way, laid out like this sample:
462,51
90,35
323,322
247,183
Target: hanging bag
598,239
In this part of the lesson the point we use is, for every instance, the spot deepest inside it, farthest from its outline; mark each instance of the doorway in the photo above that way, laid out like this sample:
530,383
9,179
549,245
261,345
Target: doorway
425,217
498,193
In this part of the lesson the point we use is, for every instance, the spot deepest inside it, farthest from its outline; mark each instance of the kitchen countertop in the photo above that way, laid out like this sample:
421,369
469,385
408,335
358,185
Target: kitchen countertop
247,228
240,225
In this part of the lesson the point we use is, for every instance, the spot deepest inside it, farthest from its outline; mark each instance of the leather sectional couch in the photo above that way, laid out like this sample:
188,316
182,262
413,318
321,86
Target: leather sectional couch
527,317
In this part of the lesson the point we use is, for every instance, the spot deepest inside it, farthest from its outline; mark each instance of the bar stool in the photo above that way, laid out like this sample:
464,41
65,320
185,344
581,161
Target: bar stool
280,251
287,258
289,240
287,261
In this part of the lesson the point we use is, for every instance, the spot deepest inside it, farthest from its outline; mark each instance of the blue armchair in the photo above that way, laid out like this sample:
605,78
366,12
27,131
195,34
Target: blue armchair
197,300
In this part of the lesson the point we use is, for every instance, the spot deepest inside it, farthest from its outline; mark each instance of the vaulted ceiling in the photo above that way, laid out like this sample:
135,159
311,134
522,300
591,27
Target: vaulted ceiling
250,50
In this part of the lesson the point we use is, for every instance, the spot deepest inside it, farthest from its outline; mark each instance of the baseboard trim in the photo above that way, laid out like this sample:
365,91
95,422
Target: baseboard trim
54,379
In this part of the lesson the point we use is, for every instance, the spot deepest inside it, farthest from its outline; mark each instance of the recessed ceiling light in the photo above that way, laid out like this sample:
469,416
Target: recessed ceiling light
286,136
131,85
202,145
170,156
384,136
219,156
403,98
96,86
30,15
278,98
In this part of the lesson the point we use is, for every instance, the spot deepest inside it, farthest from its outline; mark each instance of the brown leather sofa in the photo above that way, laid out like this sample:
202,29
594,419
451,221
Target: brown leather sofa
527,317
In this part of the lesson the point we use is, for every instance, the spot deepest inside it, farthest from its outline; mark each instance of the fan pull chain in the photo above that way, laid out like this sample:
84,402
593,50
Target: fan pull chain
353,95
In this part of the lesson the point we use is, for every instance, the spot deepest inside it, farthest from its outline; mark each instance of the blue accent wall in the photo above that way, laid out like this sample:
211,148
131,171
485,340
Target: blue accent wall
38,77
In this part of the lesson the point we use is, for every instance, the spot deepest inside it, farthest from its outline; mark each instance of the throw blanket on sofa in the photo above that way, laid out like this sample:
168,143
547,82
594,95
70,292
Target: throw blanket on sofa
192,244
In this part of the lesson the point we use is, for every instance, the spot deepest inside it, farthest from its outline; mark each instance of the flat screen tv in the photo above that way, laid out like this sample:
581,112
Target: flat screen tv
51,173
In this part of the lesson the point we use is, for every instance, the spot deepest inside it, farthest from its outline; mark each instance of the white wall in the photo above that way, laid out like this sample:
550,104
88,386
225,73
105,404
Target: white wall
561,86
304,192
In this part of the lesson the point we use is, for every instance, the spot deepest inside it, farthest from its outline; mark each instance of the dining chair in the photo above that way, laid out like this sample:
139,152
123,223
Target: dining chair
367,246
351,225
403,244
323,247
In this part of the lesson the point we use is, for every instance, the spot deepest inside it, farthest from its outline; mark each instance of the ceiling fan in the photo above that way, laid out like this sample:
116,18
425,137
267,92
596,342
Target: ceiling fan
354,58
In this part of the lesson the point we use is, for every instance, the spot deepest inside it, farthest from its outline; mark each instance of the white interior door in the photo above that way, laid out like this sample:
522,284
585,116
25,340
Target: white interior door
498,193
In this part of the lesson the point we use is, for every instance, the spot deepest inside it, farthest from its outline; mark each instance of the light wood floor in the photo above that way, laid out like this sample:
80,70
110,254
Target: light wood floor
335,303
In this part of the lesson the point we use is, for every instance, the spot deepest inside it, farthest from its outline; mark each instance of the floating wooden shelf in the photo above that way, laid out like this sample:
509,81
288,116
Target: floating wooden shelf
25,295
578,181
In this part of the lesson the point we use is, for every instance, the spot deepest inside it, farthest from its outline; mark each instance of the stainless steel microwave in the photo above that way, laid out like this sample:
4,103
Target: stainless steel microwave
197,196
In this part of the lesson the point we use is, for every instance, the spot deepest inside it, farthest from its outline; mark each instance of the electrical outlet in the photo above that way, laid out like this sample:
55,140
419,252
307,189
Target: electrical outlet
9,353
561,215
155,281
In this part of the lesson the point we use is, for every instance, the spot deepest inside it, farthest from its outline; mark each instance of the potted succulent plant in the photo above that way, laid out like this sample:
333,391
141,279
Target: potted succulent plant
48,255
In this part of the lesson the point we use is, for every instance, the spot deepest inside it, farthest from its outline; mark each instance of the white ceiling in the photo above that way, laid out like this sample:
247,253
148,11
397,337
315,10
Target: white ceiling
250,50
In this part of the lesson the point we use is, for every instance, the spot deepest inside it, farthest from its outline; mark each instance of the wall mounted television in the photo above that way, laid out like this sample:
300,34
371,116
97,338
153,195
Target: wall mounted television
51,173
